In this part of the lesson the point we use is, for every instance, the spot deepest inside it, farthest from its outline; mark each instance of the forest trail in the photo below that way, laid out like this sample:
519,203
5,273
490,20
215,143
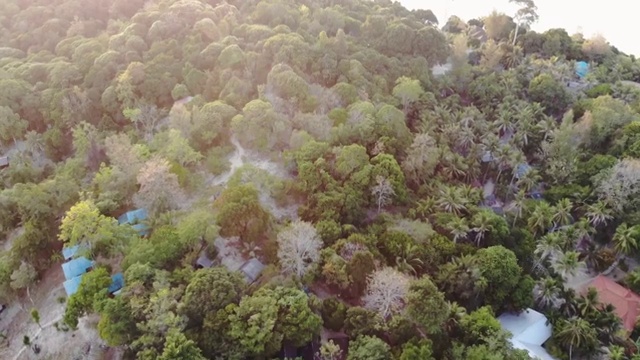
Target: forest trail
237,160
241,157
54,344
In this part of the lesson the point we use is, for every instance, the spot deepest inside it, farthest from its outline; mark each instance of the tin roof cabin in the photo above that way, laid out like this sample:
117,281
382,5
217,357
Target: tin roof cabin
252,270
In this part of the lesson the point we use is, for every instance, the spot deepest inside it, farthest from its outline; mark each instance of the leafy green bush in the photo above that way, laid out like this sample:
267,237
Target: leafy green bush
333,313
599,90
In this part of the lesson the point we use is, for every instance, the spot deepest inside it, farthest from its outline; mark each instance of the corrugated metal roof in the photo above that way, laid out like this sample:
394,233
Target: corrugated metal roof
69,252
117,282
133,216
252,269
76,267
71,286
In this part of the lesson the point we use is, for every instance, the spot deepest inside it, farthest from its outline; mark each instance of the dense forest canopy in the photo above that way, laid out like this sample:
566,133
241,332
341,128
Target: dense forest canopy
404,179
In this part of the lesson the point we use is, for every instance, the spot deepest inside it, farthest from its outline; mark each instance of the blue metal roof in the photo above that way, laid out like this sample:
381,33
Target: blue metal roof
76,267
71,286
117,282
142,229
133,216
69,252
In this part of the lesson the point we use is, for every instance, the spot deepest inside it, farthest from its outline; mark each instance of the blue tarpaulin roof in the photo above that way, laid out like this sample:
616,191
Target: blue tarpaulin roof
582,68
69,252
117,282
76,267
133,216
71,286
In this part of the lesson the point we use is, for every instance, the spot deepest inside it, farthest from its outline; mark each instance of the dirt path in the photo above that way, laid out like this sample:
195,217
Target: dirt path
54,344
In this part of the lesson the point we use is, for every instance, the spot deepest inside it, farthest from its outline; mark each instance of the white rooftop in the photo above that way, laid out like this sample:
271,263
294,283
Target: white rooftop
530,330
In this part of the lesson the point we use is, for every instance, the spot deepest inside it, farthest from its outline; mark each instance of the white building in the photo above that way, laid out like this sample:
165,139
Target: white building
529,330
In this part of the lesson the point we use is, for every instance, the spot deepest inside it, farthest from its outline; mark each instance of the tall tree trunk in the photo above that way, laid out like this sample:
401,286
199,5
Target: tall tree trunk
515,35
570,351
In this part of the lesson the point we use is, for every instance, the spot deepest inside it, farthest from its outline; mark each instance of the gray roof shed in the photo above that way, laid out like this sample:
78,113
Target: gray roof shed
252,270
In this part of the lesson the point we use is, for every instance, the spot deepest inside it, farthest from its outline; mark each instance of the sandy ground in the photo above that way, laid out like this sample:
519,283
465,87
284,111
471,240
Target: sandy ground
16,322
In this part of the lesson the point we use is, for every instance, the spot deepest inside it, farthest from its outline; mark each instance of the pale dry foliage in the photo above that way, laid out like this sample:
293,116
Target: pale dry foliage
123,154
383,192
350,249
597,45
422,158
620,186
491,55
459,49
562,150
387,291
159,187
299,248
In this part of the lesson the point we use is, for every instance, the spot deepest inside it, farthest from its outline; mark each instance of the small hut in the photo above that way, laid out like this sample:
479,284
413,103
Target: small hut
252,270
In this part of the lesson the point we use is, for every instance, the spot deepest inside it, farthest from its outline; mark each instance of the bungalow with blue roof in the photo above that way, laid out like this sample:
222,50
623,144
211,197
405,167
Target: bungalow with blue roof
73,251
71,286
117,283
69,252
135,218
76,267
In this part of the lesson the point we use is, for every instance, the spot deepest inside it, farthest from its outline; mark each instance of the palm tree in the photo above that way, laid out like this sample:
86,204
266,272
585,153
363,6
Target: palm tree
540,218
549,245
518,205
504,123
451,201
502,159
462,279
562,215
546,126
588,303
513,56
425,207
470,194
546,293
409,259
582,230
453,165
598,213
466,137
576,333
625,239
481,225
607,323
458,228
616,352
529,180
456,313
568,264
